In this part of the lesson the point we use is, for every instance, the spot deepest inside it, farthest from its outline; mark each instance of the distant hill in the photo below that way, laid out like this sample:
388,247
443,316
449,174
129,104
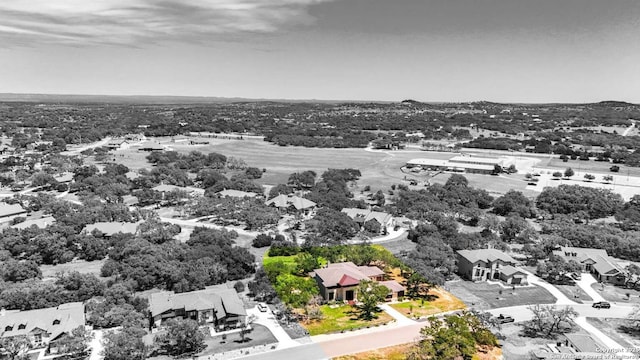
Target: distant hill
613,103
153,99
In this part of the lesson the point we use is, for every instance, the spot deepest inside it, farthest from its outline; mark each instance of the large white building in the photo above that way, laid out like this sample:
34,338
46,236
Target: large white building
463,163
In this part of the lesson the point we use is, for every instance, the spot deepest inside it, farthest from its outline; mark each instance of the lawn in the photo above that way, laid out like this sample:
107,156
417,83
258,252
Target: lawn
443,301
342,318
390,353
260,335
620,330
81,266
616,293
516,346
483,296
574,293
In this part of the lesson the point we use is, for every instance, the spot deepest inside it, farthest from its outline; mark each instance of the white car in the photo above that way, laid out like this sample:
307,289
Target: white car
263,307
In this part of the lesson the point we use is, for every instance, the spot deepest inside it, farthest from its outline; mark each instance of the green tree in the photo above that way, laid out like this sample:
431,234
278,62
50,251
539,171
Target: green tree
369,294
447,339
126,344
569,172
14,346
181,336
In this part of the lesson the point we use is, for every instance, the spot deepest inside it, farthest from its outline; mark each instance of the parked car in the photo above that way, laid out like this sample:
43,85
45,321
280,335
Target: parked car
601,305
503,319
576,276
262,307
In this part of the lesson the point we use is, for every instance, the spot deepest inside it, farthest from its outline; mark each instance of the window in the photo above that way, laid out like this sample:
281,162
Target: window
56,322
8,328
22,326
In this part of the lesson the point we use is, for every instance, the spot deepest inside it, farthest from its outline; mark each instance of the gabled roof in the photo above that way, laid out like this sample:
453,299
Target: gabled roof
64,177
509,270
485,255
224,301
605,265
365,215
584,343
345,273
170,188
284,201
11,209
392,285
112,228
580,254
281,201
40,223
55,320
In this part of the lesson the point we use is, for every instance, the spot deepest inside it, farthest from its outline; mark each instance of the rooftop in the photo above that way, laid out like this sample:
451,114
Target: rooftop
223,300
486,255
54,320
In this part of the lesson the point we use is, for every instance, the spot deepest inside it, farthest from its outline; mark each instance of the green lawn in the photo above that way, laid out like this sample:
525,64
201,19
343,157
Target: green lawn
343,318
441,301
483,296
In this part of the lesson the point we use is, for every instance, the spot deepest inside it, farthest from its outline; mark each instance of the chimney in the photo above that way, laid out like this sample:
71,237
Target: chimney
3,312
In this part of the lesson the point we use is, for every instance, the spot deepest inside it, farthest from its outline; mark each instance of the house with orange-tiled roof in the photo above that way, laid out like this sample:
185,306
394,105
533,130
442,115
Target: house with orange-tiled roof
339,281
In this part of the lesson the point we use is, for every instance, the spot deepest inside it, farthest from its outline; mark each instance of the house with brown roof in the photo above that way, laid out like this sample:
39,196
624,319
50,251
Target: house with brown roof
596,261
292,202
217,305
44,328
339,281
362,216
489,264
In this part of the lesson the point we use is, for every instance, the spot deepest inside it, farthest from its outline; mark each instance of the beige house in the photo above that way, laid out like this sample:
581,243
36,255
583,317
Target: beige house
340,281
44,328
596,261
489,264
219,306
362,216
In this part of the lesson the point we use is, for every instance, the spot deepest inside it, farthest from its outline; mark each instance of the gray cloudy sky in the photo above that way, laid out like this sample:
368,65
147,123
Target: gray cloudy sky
445,50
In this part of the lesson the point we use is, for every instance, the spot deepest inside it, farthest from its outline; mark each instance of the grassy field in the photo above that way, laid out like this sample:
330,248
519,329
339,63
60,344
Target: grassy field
617,294
342,318
482,296
443,301
397,352
81,266
621,330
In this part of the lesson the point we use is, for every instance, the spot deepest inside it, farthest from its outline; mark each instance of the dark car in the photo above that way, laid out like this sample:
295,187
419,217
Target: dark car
503,319
601,305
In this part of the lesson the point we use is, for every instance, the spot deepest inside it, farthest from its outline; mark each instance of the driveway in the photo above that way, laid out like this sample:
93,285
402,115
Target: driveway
268,320
96,345
398,316
561,299
585,284
607,341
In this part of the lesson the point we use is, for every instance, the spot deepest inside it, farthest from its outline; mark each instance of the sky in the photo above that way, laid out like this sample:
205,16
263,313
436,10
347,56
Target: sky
387,50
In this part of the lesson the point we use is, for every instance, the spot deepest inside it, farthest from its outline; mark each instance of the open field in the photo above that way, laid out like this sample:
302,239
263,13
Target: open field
343,318
260,335
81,266
390,353
380,169
483,296
617,294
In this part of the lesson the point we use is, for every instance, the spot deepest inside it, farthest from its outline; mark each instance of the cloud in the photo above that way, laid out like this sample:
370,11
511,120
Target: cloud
136,22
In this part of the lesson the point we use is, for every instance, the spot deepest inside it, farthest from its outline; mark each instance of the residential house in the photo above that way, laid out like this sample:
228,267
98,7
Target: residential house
10,210
297,203
40,223
217,305
362,216
44,328
64,178
489,264
596,261
111,228
339,281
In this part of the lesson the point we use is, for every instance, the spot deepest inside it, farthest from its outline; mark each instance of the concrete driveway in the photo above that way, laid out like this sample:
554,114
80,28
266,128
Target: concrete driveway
268,320
585,282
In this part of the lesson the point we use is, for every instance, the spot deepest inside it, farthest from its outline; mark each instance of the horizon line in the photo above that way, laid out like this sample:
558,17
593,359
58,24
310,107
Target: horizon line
24,97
